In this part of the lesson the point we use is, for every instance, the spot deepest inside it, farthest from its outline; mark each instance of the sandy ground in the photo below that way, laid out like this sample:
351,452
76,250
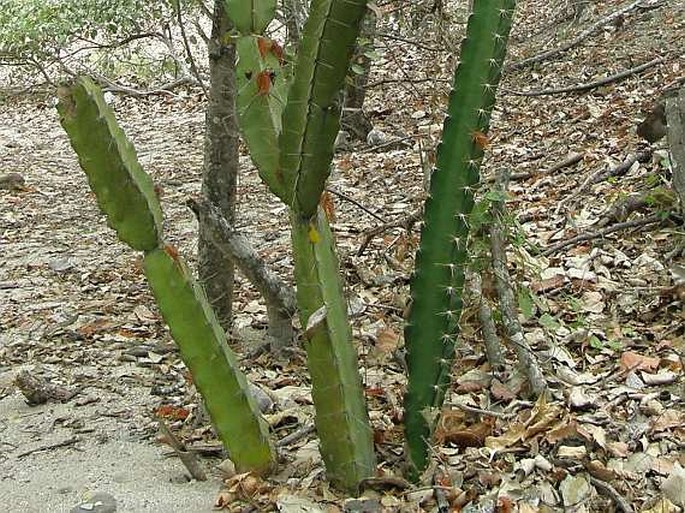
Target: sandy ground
102,454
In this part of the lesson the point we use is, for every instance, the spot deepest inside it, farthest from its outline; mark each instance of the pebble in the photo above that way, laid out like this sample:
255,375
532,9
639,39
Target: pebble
100,503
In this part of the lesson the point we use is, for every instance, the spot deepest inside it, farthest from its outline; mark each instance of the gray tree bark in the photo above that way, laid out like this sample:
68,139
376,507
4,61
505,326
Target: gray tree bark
675,114
220,173
354,121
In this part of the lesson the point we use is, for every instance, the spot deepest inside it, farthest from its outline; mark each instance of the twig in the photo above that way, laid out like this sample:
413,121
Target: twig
590,85
191,59
601,175
595,27
619,170
480,411
406,222
527,360
655,218
417,44
571,159
63,443
386,144
356,203
609,491
295,436
189,459
493,345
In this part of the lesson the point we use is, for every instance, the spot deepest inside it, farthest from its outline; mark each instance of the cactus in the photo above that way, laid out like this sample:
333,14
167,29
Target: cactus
437,284
126,194
293,154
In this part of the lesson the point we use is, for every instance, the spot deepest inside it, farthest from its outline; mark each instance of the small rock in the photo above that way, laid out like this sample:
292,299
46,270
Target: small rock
362,505
100,503
376,138
12,182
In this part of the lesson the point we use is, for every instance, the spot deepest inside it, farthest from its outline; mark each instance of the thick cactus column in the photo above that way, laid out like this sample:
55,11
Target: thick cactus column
293,153
341,418
126,194
438,281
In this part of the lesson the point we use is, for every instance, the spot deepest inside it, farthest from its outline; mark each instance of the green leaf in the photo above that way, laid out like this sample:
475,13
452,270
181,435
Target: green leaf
549,322
526,302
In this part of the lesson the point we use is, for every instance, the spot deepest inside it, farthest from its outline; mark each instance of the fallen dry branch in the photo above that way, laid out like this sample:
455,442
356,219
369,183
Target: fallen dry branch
621,169
592,29
601,175
64,443
188,458
404,222
571,159
609,491
584,237
590,85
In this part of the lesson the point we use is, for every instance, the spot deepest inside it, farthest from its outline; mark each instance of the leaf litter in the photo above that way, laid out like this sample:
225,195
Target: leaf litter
605,315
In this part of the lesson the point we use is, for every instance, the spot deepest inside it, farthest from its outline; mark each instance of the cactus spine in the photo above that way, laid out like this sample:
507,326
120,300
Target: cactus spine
438,281
126,194
291,143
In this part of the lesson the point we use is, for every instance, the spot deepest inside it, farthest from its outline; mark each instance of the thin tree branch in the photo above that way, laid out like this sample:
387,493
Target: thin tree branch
590,85
584,237
592,29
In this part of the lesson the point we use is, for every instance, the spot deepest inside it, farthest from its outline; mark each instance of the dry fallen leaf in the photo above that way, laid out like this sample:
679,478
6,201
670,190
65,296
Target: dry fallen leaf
631,360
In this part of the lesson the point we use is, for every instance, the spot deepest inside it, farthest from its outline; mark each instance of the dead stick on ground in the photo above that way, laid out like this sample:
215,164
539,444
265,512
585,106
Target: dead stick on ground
63,443
600,176
405,222
609,491
189,459
655,218
595,27
528,363
571,159
295,436
590,85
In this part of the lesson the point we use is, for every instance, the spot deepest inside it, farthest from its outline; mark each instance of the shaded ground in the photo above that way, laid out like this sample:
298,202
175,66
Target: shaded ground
605,316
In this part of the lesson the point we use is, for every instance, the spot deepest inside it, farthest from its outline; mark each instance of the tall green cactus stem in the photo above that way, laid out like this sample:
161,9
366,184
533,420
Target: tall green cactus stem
311,118
124,191
126,194
251,16
437,284
341,418
306,134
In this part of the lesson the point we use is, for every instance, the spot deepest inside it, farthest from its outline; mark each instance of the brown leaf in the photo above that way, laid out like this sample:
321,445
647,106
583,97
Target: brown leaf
631,360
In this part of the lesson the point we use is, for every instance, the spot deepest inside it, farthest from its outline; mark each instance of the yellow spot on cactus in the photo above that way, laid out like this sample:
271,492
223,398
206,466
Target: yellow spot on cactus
314,236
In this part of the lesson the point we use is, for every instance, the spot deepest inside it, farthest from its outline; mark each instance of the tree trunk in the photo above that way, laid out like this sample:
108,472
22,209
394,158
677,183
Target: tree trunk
294,14
220,164
354,121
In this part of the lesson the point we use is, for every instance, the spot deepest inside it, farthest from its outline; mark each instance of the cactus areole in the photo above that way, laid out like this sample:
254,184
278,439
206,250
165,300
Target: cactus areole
438,280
